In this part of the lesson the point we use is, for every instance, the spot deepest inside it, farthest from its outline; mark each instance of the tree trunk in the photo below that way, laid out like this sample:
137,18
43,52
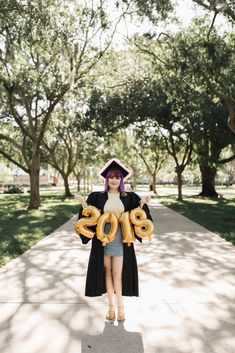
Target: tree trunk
179,184
84,181
66,185
179,170
78,183
134,179
154,183
34,170
87,181
208,181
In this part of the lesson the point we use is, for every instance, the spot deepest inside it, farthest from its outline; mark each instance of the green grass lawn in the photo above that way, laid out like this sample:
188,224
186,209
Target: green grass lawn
21,228
217,215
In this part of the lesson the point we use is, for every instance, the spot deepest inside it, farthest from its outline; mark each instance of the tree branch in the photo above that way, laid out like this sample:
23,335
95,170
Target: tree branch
151,53
29,115
201,3
11,159
14,113
212,24
231,121
226,160
13,142
229,100
146,164
225,9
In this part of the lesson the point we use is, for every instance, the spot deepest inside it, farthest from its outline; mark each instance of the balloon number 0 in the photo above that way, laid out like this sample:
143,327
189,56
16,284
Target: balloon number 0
100,233
143,227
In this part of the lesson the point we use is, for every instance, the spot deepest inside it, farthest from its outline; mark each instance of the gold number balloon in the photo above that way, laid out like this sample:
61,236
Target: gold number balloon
144,228
100,233
127,230
92,215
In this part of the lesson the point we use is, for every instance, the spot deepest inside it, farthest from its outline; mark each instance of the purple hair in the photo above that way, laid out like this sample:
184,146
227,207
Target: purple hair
114,173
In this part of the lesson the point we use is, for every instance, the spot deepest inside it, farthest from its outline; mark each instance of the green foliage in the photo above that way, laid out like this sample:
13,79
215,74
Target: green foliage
141,100
155,10
41,47
44,54
161,9
225,7
66,147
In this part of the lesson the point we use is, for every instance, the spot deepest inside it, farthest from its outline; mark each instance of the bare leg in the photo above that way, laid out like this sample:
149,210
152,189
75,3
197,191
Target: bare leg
117,263
109,279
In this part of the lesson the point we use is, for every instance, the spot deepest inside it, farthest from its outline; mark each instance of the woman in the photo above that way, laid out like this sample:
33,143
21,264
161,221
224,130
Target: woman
113,268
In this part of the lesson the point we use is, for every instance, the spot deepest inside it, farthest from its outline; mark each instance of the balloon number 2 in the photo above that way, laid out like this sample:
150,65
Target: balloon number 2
92,215
143,227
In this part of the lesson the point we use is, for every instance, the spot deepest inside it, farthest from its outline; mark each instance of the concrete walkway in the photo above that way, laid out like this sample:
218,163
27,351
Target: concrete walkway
187,302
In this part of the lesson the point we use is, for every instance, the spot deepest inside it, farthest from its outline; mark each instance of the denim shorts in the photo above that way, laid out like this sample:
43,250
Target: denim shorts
115,247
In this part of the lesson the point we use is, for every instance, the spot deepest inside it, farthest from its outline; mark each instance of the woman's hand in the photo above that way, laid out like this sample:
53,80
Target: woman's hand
81,199
145,200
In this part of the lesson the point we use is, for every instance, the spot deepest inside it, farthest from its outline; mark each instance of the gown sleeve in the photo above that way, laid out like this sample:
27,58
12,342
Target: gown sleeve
91,200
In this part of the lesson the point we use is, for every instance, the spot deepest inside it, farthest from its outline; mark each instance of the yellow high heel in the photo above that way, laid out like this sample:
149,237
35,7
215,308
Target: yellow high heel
111,313
121,314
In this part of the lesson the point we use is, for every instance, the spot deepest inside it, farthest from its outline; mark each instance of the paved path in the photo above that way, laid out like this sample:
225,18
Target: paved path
187,302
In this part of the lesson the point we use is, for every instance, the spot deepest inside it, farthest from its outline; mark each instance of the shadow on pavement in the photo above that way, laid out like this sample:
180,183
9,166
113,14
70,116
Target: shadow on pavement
187,288
113,339
192,271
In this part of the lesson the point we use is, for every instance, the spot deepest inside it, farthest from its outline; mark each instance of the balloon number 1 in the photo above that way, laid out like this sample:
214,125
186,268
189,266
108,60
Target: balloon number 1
143,227
127,229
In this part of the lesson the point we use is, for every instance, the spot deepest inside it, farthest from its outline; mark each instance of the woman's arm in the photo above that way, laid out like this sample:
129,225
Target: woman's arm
81,199
91,200
136,202
145,200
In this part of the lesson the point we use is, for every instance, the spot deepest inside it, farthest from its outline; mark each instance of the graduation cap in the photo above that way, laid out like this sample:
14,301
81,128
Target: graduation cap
115,164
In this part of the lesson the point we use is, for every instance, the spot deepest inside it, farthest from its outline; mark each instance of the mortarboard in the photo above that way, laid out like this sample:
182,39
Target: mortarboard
115,164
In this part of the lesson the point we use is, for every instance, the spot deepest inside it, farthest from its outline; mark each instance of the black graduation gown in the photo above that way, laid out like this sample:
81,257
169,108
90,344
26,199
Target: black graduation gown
95,280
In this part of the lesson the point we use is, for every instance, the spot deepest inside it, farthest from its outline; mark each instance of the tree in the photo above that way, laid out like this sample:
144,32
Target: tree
151,149
211,64
211,139
44,54
66,148
61,146
143,99
208,58
196,76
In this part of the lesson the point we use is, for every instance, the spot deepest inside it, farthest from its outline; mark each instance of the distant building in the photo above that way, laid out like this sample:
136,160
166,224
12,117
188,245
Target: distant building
18,176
